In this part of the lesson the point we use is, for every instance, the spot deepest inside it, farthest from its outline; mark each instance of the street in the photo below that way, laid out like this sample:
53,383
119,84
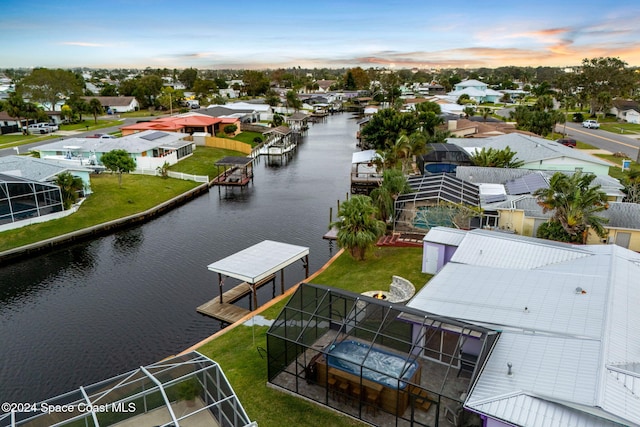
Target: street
602,139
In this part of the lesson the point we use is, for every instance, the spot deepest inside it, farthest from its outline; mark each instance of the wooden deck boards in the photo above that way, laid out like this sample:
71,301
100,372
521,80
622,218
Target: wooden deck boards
226,311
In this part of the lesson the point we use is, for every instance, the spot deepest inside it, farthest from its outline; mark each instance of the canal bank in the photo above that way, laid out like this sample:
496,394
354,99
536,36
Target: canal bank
102,229
85,311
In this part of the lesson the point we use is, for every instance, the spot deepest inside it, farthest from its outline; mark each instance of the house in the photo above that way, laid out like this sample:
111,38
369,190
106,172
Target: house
116,104
537,153
29,194
188,123
43,171
476,90
150,149
626,110
567,351
465,128
264,111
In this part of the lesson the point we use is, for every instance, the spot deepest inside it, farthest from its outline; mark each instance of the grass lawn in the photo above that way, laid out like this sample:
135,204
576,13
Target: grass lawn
237,350
621,128
203,160
108,202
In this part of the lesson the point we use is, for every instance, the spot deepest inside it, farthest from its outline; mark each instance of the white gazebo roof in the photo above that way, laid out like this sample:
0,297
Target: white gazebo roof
259,261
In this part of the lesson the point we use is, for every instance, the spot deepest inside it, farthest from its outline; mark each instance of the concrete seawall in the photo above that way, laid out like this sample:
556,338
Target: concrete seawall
104,228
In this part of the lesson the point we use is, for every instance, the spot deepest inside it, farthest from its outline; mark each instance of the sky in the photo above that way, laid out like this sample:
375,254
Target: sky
263,34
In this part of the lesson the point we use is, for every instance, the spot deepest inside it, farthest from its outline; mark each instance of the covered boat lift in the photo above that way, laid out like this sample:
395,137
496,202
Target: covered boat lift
255,266
236,171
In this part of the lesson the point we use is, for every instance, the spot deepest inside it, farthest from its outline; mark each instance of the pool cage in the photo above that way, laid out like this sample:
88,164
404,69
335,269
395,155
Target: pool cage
186,390
383,363
22,199
437,200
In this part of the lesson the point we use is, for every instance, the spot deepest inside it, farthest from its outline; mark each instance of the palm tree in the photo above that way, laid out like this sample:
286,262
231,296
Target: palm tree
95,107
494,158
70,186
393,183
358,229
574,203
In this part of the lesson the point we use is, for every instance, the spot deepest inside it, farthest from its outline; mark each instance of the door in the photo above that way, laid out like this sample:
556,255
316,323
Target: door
622,239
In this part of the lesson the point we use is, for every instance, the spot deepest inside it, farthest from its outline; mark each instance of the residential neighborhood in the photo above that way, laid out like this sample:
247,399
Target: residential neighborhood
201,227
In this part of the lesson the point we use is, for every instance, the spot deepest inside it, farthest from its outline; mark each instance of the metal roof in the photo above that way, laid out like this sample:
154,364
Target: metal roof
445,235
568,317
259,261
441,187
365,156
31,168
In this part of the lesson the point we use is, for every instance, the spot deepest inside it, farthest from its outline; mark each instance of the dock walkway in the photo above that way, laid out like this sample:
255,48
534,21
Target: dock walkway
226,310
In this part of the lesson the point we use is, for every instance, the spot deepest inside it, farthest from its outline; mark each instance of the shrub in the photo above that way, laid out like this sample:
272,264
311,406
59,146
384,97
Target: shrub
578,117
228,129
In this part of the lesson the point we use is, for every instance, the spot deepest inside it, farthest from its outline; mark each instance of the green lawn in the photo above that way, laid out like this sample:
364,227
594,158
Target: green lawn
237,350
108,202
621,128
203,160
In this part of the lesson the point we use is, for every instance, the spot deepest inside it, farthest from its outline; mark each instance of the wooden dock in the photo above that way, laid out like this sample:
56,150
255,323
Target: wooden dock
226,310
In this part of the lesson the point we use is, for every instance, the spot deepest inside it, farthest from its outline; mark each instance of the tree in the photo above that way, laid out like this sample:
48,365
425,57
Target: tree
386,126
631,182
255,82
608,75
292,100
95,107
429,116
230,129
50,86
118,161
203,89
272,98
393,183
188,77
349,81
16,108
574,203
277,120
494,158
358,229
70,186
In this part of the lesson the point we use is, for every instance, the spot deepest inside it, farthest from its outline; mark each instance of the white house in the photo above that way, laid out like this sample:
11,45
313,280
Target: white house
537,153
476,90
568,350
150,149
116,104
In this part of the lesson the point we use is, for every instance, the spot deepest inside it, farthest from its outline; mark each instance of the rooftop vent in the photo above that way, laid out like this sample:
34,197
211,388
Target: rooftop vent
509,371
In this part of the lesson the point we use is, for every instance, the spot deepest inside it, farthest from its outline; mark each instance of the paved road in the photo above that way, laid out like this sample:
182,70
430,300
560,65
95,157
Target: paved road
602,139
65,135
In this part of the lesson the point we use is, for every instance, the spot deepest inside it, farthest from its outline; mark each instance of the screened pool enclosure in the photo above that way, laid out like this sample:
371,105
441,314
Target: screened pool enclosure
188,391
22,199
384,363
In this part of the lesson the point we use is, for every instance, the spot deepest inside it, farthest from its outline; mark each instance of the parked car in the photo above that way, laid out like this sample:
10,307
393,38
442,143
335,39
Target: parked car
591,124
54,127
569,142
40,128
101,136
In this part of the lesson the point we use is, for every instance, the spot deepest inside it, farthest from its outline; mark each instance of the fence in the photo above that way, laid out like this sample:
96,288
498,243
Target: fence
177,175
227,144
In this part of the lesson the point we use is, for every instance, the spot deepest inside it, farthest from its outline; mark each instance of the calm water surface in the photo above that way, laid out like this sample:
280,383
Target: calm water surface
93,310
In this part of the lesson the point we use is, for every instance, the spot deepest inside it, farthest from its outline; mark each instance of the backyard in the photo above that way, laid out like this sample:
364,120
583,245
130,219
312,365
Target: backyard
240,351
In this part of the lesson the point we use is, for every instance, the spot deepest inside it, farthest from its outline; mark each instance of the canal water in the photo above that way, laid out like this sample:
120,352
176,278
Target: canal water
96,309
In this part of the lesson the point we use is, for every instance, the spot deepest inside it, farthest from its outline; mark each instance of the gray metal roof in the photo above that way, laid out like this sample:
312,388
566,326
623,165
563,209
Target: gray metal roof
134,144
528,148
445,235
259,261
568,316
32,168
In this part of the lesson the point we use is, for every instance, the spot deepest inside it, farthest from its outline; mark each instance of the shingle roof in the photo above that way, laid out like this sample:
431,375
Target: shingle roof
33,169
622,215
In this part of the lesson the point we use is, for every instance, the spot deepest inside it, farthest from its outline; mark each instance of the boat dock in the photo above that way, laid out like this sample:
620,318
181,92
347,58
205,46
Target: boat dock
222,308
255,266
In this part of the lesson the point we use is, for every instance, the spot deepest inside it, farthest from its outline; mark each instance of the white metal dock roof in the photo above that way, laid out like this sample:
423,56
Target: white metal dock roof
259,261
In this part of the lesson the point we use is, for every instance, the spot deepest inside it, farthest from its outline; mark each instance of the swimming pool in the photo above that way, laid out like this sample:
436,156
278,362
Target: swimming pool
350,355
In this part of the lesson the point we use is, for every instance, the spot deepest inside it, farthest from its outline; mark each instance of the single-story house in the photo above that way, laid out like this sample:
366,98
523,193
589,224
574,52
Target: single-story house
42,170
537,153
476,90
150,149
627,110
187,123
568,348
116,104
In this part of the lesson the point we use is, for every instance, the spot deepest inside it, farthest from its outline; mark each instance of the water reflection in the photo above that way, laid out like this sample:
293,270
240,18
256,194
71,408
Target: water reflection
84,313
